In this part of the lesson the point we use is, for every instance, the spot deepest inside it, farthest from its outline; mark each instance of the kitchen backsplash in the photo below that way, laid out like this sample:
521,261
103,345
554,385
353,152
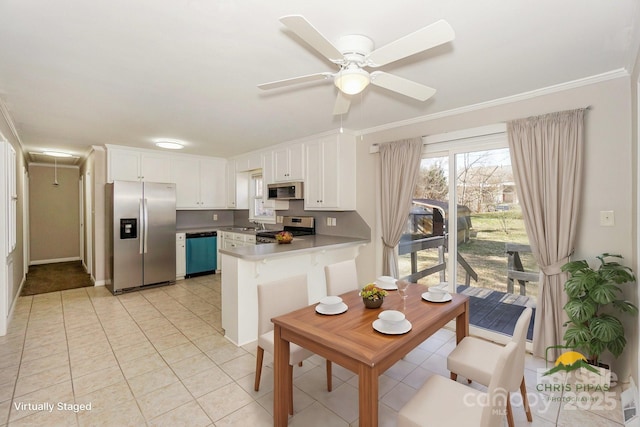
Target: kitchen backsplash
348,224
203,219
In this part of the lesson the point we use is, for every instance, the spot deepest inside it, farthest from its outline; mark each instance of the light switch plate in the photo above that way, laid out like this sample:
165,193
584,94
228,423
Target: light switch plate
607,219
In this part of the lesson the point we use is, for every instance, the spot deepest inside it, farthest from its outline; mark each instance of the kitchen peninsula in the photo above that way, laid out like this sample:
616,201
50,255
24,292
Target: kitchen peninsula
244,267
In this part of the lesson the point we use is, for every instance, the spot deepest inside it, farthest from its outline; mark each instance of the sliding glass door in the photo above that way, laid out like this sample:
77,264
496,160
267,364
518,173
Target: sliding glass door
467,224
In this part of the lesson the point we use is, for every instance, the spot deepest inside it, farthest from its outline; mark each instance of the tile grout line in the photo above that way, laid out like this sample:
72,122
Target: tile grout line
24,340
114,356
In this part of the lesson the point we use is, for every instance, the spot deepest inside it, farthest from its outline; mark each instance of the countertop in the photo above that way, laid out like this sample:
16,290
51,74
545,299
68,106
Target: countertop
242,230
300,244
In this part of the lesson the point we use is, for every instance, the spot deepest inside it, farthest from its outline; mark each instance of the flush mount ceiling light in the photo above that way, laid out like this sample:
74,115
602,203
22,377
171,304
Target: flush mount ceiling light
170,144
352,80
56,154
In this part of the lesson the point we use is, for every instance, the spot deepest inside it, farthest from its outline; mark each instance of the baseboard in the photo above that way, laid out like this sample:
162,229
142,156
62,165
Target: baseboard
52,261
98,282
15,301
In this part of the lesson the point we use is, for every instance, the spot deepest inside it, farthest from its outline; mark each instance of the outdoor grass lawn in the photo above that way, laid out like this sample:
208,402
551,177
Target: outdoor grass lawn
485,252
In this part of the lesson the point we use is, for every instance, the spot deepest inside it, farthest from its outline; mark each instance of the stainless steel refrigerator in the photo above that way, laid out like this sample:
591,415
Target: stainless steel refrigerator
142,234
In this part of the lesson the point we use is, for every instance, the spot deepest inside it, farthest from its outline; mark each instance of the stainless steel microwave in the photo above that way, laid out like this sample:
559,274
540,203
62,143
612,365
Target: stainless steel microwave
285,191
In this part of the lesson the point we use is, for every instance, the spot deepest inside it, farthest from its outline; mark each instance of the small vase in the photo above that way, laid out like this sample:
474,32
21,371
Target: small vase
375,303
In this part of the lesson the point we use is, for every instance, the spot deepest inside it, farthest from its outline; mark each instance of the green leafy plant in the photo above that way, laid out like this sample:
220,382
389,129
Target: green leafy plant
593,297
372,292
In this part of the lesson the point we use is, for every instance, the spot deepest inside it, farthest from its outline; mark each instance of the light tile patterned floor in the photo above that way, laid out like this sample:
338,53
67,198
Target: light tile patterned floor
157,358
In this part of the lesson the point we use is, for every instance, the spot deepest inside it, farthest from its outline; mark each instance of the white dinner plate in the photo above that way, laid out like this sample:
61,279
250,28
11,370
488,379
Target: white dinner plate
387,283
427,296
323,309
383,327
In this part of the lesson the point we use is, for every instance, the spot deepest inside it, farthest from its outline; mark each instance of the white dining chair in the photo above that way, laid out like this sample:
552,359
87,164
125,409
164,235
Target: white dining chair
341,277
274,299
441,402
475,359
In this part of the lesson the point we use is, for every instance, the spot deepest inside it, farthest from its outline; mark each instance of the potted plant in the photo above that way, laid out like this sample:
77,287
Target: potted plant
593,302
372,296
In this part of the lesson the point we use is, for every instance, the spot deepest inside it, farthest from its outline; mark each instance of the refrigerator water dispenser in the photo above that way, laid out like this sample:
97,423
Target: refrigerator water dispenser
128,228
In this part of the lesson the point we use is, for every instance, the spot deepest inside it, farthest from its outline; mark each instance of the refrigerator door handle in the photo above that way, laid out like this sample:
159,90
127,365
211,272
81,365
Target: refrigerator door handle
146,224
140,208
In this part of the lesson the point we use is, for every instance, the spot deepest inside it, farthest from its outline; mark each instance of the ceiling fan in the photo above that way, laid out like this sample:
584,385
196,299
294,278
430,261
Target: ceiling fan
354,52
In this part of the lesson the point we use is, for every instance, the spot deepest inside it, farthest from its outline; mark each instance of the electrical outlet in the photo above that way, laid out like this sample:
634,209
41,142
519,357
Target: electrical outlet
333,222
607,219
215,217
328,222
279,219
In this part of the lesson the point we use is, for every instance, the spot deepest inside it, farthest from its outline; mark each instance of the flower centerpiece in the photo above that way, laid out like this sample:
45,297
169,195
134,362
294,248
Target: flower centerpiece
372,296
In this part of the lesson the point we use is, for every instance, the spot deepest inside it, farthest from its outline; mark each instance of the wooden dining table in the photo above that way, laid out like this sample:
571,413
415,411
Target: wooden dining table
350,340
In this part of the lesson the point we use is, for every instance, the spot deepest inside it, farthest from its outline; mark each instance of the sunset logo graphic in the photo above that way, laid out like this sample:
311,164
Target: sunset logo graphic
570,361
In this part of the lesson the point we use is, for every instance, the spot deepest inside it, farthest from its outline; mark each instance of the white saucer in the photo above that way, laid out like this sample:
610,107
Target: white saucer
383,327
427,296
387,283
323,309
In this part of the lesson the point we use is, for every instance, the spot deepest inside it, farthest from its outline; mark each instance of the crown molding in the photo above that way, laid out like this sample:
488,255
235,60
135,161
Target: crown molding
12,127
598,78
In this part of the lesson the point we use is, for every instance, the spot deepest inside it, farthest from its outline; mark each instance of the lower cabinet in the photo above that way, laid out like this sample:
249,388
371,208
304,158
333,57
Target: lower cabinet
181,256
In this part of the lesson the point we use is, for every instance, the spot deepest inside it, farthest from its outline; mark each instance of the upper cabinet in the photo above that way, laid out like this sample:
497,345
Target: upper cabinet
330,182
137,165
248,162
201,182
288,163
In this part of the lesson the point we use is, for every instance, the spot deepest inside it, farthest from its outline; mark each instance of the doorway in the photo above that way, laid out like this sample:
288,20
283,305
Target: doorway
466,223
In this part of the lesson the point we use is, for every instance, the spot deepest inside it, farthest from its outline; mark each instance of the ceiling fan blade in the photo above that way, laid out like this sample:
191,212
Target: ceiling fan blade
307,32
405,87
343,102
433,35
295,81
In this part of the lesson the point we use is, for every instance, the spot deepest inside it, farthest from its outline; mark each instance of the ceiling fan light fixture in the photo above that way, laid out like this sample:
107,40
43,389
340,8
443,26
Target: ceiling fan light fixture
352,80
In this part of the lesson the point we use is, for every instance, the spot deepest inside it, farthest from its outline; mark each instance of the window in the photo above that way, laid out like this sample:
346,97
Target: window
258,211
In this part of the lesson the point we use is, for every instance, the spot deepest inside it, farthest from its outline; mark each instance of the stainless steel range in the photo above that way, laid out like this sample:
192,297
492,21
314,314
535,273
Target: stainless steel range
296,225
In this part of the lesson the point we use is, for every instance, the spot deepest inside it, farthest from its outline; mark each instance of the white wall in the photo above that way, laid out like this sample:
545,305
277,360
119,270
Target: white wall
609,170
14,260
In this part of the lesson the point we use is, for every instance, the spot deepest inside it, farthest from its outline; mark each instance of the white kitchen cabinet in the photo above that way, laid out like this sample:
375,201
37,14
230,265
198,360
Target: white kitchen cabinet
181,256
330,174
232,240
288,163
237,187
213,187
126,164
200,182
248,162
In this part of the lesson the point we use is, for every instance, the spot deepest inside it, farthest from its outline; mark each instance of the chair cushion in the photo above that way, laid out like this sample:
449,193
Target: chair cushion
474,359
442,402
296,353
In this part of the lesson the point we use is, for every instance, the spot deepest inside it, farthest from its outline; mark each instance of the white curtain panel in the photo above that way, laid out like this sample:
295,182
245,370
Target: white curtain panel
546,154
399,165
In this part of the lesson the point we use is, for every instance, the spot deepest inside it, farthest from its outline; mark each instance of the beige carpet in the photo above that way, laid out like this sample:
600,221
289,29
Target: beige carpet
60,276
